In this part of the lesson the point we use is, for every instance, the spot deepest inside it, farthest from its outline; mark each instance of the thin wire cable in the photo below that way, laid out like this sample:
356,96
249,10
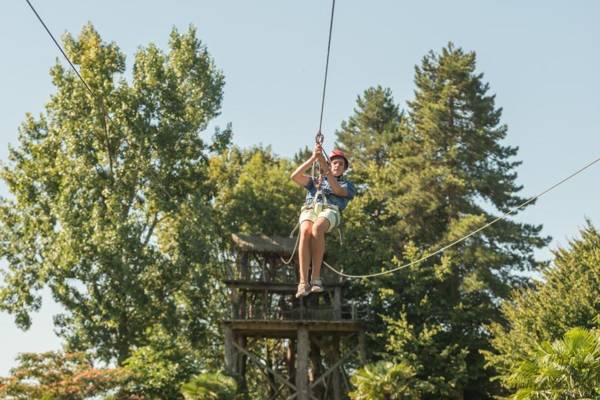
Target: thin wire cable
319,134
60,47
506,214
424,258
107,117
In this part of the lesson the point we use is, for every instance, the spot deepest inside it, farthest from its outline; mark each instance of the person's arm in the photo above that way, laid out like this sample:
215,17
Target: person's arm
298,175
336,188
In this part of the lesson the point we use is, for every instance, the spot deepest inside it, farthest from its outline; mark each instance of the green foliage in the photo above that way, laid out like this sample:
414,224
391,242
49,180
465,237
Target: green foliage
427,355
427,178
565,369
375,127
254,192
371,137
59,376
210,386
384,381
128,222
565,298
157,369
113,216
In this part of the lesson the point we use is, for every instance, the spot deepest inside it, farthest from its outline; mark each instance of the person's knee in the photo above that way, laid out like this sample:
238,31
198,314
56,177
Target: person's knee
320,227
306,230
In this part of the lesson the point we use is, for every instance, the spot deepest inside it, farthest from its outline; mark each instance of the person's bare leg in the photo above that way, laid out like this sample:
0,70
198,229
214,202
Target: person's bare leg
304,249
318,245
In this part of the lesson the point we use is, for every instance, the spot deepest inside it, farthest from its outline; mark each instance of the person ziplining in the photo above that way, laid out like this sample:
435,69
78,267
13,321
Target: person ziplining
328,195
320,216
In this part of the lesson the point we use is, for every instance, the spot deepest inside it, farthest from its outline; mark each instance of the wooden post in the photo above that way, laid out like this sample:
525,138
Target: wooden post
291,358
244,269
336,378
302,310
270,376
303,348
337,303
235,303
316,370
230,356
242,358
362,347
243,312
265,304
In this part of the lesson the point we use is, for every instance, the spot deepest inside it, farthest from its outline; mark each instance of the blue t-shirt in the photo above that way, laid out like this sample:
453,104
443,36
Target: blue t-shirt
339,201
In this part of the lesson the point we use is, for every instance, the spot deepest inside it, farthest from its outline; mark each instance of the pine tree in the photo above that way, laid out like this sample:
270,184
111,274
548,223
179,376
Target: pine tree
372,129
448,175
371,136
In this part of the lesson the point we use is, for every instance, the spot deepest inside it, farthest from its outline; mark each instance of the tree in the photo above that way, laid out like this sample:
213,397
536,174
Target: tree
210,386
374,127
445,175
384,381
254,193
566,297
110,201
565,369
371,136
157,369
59,376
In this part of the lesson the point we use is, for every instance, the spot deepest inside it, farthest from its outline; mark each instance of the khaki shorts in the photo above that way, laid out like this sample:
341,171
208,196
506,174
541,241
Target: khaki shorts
330,213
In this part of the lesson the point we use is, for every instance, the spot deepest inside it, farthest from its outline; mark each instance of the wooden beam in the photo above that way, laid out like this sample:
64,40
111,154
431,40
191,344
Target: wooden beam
303,390
273,287
288,328
345,378
230,358
363,347
258,362
336,379
337,303
274,397
333,368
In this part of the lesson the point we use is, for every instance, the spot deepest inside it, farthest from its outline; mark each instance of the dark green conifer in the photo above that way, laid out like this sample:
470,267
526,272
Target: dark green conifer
446,173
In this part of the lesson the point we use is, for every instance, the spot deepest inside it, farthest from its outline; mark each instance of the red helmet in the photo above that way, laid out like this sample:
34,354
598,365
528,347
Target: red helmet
337,153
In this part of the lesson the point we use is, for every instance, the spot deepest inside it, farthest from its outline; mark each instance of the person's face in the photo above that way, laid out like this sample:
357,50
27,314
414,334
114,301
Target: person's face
337,166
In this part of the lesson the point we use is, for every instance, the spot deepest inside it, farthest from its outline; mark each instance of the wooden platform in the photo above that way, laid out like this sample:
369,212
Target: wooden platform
289,329
275,287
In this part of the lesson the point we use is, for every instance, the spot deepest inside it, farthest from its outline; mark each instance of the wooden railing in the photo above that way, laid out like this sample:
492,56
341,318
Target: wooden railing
347,312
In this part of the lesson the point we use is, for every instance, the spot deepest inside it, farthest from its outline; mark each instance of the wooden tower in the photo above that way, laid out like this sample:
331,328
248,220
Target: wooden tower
300,348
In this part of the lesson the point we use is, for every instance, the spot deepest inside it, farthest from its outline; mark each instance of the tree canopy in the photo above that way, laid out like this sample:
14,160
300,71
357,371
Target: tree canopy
566,297
59,376
100,207
444,174
567,368
123,207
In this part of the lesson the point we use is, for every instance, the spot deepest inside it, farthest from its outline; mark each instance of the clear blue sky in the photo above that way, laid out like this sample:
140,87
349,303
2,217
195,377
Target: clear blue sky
540,57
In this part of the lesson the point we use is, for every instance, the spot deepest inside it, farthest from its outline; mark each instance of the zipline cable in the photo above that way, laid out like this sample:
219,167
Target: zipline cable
60,48
85,84
106,116
319,138
506,214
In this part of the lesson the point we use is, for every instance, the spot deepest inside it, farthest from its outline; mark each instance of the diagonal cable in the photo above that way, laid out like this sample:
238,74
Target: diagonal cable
60,47
462,239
